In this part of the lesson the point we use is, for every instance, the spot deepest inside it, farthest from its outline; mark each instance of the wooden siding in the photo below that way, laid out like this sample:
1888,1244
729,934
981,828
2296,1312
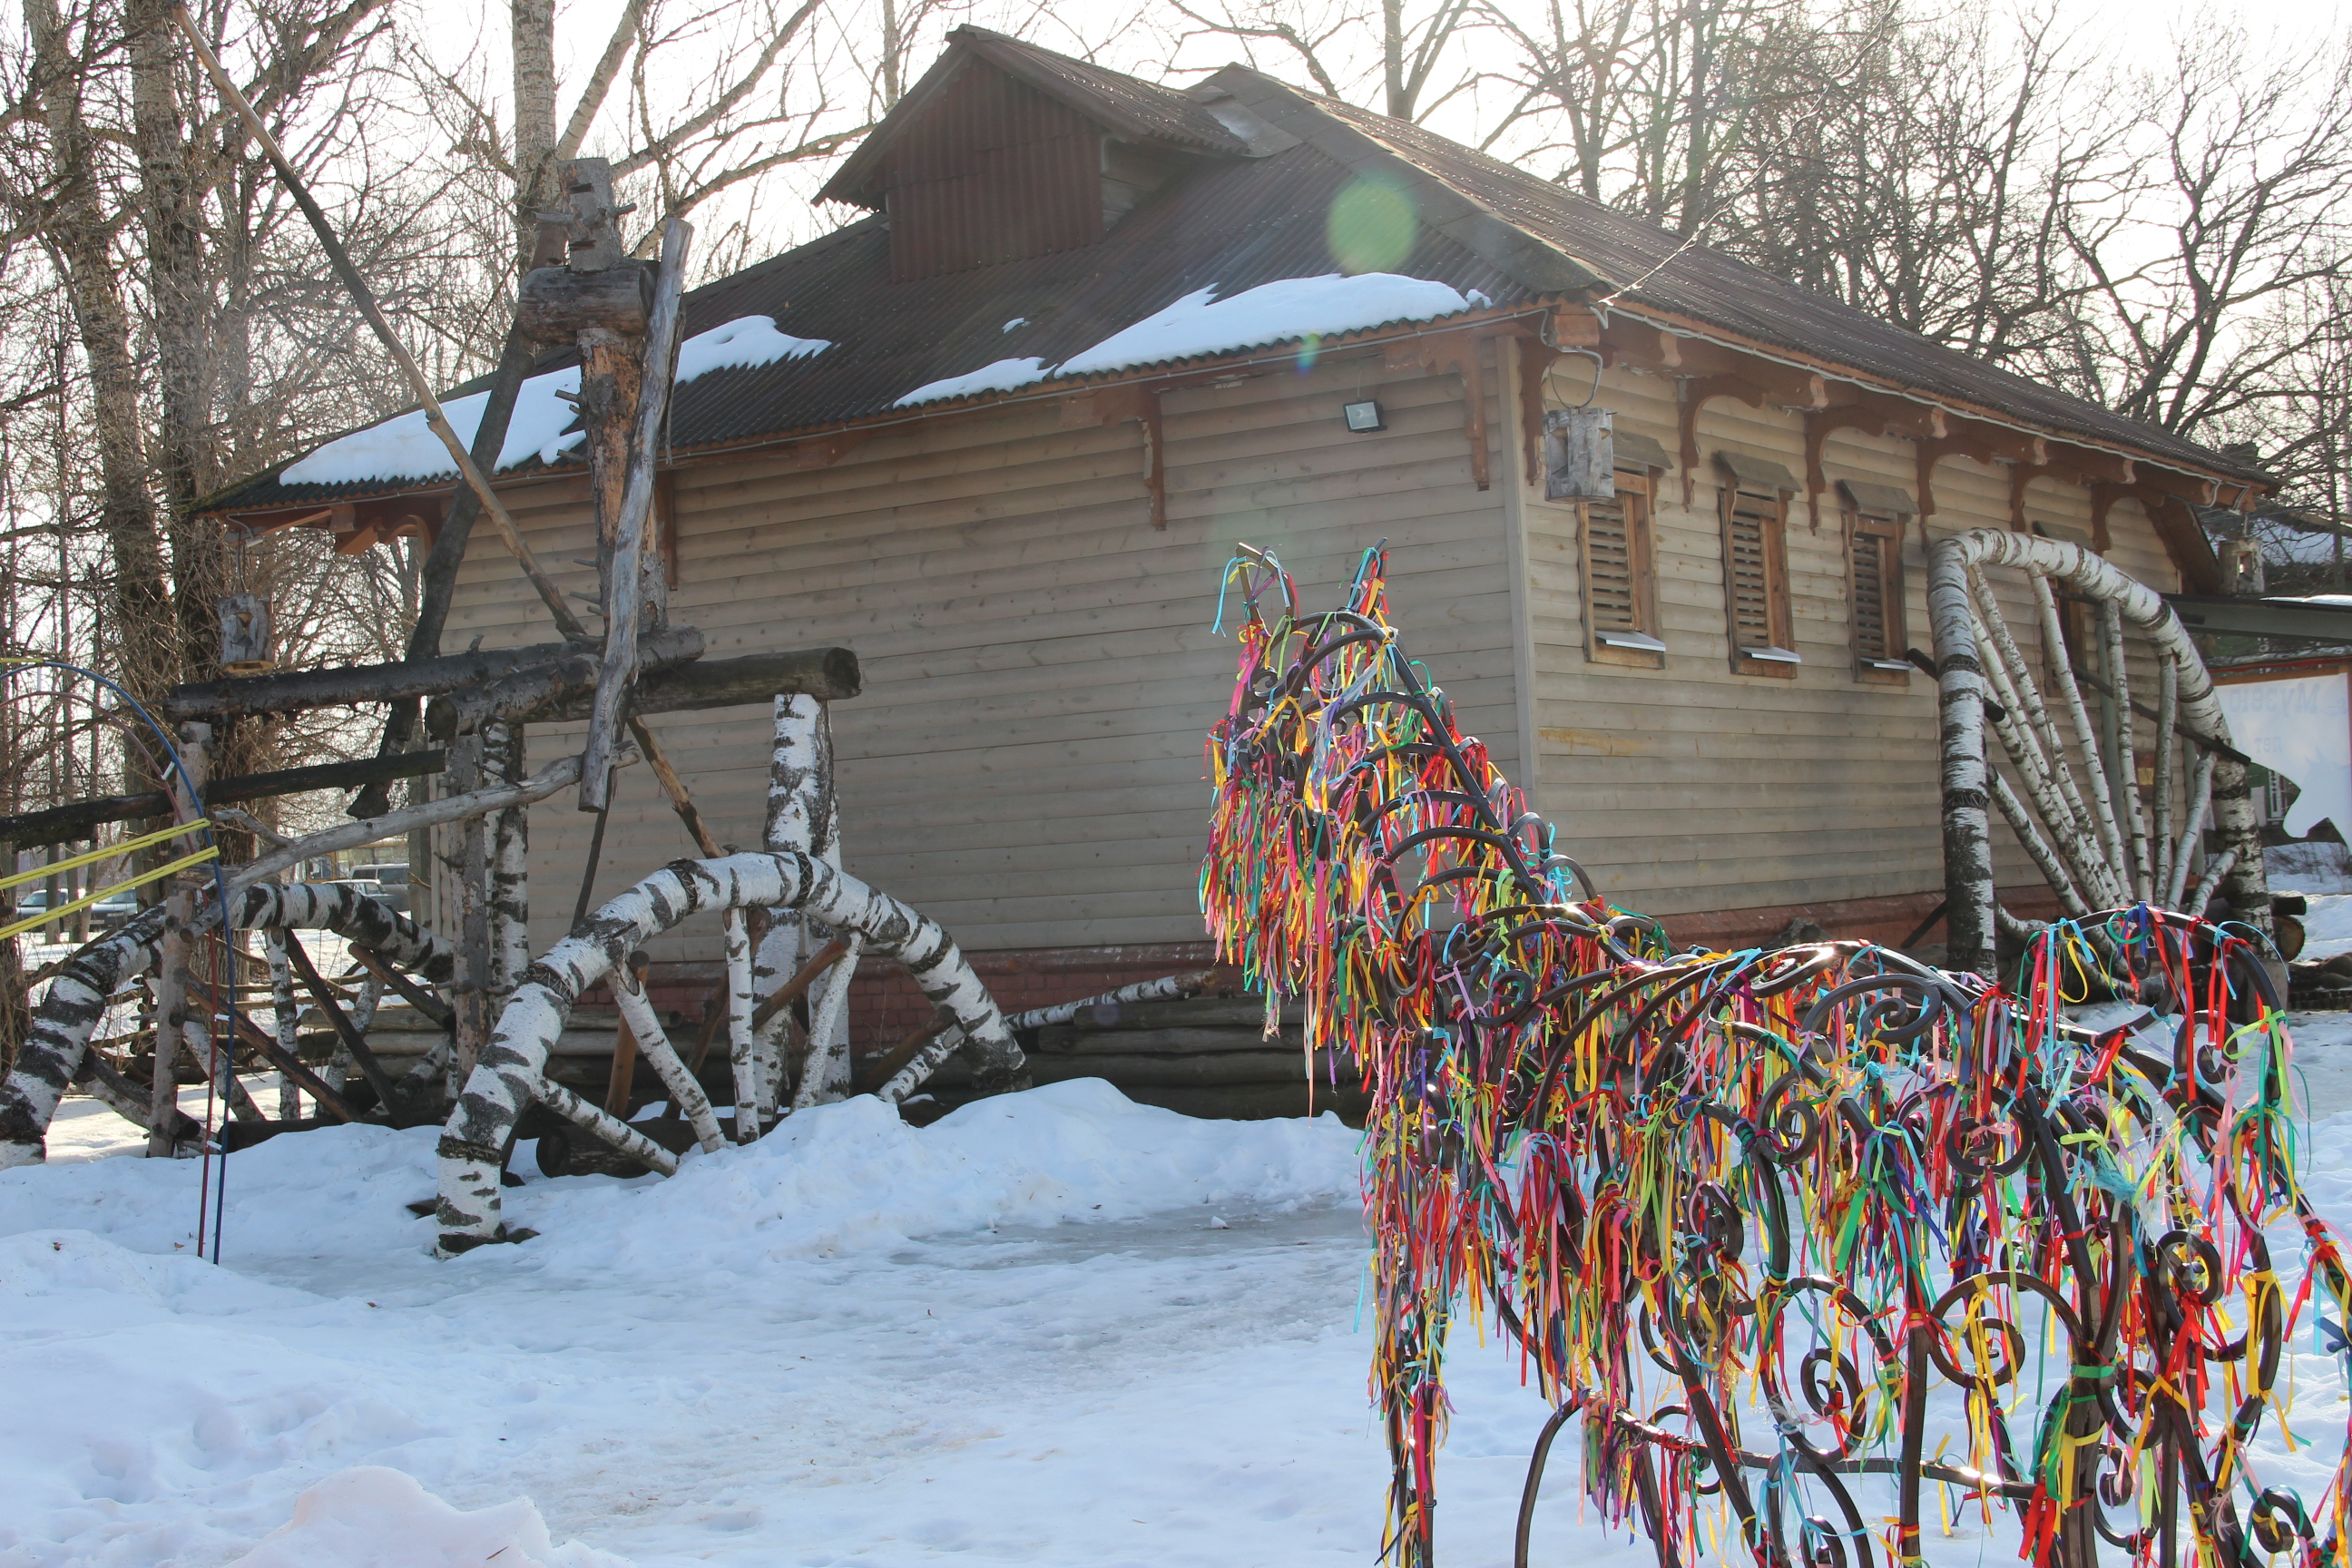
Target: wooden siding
1691,789
1027,761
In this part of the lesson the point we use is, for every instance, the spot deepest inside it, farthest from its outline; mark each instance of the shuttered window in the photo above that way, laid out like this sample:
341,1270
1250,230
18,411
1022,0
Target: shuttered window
1621,577
1755,582
1875,598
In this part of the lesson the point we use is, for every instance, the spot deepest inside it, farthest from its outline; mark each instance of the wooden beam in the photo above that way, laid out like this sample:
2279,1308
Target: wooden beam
292,691
527,691
830,673
353,1041
61,823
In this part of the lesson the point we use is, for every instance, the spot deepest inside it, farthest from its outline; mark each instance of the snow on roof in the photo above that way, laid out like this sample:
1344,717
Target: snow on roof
1002,375
1201,324
405,448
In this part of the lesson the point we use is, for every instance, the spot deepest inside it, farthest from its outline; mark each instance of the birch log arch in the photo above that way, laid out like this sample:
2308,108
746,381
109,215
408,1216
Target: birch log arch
512,1070
56,1053
2076,805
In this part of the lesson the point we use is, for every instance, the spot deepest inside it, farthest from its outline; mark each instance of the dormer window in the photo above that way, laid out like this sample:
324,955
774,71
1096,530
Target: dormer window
1002,153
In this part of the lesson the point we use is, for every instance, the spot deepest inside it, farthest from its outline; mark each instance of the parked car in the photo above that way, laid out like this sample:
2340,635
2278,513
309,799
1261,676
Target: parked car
114,909
396,897
391,876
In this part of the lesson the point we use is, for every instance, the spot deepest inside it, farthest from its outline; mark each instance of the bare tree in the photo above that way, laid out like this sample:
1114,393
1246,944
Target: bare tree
1402,58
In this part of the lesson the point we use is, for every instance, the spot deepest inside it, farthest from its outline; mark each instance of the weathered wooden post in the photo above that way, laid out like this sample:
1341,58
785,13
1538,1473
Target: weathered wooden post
173,953
472,1014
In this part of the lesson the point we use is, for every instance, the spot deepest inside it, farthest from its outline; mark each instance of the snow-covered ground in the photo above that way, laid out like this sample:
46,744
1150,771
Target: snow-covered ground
1054,1328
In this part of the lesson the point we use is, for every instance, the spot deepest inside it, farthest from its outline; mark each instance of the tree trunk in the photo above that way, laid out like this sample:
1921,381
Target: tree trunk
78,235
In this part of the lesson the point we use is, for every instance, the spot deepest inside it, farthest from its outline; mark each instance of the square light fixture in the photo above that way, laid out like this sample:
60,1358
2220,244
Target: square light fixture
1364,417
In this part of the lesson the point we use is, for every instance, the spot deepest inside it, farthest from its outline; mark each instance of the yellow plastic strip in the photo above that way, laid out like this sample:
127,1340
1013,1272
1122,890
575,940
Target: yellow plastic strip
208,853
104,852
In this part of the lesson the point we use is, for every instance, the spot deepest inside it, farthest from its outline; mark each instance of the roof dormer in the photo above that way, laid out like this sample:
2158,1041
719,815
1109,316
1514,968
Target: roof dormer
1004,151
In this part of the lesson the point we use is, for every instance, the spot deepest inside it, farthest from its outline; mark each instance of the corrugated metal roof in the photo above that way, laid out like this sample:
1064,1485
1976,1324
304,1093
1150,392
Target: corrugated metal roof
1643,264
1231,224
1230,227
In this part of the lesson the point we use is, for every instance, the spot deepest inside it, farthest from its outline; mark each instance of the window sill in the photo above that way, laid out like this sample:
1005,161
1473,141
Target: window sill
1624,651
1882,671
1778,663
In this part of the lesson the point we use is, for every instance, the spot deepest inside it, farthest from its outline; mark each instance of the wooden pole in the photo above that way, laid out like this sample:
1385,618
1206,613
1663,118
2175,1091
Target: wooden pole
175,950
624,590
472,992
295,690
171,951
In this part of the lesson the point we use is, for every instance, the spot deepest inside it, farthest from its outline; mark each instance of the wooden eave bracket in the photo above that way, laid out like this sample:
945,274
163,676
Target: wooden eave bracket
1458,353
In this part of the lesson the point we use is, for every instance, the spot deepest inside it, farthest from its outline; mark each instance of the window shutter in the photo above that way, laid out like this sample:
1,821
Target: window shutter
1871,639
1620,602
1748,569
1875,595
1609,595
1756,581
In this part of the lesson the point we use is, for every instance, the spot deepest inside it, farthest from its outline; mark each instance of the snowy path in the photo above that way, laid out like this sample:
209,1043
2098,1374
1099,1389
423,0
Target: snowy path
1020,1336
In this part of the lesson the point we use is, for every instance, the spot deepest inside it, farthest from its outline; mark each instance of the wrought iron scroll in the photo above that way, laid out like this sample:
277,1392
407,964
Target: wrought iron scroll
1812,1247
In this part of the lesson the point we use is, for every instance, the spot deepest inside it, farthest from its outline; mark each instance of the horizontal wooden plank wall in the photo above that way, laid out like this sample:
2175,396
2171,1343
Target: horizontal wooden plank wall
1691,789
1027,761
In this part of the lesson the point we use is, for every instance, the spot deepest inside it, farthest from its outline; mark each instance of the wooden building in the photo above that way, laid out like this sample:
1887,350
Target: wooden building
1095,330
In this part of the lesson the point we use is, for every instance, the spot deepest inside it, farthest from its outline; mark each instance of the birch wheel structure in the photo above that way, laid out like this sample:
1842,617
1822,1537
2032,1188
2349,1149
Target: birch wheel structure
2074,737
55,1052
512,1071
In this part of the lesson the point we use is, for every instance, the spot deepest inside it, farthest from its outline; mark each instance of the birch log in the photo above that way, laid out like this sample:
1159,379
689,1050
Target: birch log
799,819
172,949
653,1043
285,1019
742,1052
1175,987
509,864
427,814
54,1045
1968,830
473,1144
2197,710
826,1070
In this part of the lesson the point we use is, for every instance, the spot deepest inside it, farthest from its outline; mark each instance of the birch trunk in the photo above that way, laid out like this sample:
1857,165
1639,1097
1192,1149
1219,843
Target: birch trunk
171,1025
468,758
2198,708
799,819
653,1043
2168,724
2012,681
472,1145
2111,624
285,1019
54,1048
826,1070
1968,835
611,1129
2200,797
1175,987
51,1055
741,1050
509,831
